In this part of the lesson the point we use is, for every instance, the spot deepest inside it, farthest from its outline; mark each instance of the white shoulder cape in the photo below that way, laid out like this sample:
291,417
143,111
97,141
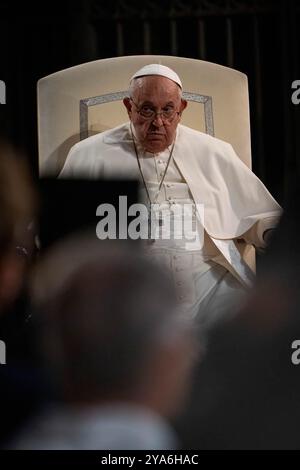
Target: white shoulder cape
234,198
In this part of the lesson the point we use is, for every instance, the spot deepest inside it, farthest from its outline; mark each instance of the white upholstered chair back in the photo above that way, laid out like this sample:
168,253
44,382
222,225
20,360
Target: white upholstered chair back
86,99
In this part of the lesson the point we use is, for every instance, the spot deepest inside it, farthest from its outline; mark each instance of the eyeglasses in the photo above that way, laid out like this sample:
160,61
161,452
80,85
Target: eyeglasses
149,113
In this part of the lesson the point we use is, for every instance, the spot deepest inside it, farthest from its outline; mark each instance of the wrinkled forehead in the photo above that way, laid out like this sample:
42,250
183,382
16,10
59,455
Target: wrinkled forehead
155,89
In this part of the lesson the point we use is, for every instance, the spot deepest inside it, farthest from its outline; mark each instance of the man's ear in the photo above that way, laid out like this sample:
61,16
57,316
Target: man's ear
183,105
128,105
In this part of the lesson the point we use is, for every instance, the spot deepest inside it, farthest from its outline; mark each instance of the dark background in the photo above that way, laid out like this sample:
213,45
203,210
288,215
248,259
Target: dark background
259,38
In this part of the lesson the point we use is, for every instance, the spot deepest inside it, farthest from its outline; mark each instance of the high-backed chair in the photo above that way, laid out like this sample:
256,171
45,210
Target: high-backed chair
86,99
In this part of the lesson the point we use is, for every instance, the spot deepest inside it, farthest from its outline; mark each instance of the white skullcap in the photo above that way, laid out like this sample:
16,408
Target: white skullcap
158,69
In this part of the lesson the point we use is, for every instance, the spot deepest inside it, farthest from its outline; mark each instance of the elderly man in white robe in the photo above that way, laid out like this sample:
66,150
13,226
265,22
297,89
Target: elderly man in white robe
180,167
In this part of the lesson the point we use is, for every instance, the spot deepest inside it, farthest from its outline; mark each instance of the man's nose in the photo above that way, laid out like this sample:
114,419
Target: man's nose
158,120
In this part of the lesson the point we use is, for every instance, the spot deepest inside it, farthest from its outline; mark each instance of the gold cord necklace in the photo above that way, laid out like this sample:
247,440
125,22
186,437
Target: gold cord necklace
150,215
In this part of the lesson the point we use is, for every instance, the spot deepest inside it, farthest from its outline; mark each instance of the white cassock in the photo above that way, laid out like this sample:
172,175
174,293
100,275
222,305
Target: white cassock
203,172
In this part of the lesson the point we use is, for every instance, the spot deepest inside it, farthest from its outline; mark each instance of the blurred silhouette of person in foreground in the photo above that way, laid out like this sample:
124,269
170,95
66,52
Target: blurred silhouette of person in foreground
119,350
17,204
16,212
246,390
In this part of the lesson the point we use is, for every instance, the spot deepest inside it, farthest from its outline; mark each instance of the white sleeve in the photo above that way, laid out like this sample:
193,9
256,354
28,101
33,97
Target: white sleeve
254,235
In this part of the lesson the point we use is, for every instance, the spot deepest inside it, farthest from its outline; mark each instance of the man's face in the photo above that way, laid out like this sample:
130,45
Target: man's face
161,95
